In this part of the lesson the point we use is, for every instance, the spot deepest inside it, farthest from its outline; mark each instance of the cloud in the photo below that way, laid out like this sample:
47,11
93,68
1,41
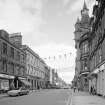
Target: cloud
65,2
90,5
76,6
17,16
44,25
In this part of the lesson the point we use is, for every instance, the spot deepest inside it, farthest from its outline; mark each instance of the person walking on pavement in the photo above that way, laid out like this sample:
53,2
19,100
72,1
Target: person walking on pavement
78,89
91,90
94,91
74,89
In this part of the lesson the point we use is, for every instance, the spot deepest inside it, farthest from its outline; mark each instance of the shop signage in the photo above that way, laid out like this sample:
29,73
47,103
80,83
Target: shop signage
22,78
6,76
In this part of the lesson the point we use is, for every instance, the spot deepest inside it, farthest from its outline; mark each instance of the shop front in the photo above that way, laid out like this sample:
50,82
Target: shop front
101,80
93,80
97,80
34,81
6,82
83,81
21,82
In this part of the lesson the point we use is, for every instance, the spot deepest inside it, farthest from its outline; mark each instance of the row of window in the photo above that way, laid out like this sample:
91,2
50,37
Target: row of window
96,59
12,52
84,65
11,68
33,60
32,71
84,48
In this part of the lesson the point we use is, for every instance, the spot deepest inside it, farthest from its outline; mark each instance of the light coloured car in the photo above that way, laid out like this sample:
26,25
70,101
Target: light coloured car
23,91
19,92
14,92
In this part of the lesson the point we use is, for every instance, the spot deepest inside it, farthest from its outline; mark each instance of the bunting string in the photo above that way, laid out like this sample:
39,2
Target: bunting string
60,56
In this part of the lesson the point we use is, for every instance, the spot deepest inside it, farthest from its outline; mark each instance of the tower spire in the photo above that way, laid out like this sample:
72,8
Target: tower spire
85,10
85,6
84,13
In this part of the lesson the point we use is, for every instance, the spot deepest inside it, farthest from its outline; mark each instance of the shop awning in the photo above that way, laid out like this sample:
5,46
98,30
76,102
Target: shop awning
6,76
25,82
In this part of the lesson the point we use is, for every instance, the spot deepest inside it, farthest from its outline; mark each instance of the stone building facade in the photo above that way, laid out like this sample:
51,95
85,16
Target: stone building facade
92,42
16,39
47,77
82,29
35,68
12,62
97,49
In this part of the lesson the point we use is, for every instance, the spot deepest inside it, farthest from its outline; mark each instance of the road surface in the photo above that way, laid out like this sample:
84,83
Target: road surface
42,97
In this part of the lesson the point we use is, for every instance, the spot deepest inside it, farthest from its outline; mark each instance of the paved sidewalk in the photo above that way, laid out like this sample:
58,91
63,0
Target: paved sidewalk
3,95
84,98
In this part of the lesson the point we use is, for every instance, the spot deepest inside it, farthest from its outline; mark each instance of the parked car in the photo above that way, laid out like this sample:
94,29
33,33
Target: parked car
23,91
14,92
18,92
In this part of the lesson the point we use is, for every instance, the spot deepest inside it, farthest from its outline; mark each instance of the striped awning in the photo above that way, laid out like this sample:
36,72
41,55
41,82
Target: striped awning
25,82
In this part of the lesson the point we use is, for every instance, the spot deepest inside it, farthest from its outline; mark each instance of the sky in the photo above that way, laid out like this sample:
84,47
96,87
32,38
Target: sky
47,27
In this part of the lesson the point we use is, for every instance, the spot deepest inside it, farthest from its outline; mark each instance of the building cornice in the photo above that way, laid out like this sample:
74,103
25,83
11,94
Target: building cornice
11,44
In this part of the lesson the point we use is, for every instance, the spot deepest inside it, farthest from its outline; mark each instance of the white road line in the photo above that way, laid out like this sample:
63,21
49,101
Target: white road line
71,97
69,101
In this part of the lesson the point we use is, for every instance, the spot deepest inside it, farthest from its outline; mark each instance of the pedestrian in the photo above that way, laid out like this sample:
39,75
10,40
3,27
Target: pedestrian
78,89
91,90
94,91
74,89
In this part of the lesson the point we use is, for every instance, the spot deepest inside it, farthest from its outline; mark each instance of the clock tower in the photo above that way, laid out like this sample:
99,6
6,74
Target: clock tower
82,26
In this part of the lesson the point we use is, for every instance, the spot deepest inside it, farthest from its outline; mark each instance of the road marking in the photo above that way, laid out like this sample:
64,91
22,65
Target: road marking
69,101
71,97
